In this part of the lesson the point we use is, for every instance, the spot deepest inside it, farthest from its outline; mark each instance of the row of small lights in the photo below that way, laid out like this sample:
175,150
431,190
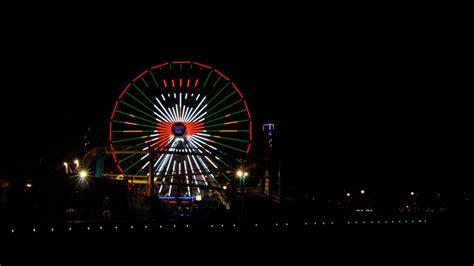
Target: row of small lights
388,222
257,225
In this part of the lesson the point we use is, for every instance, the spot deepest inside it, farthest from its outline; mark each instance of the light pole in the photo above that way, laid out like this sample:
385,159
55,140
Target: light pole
242,175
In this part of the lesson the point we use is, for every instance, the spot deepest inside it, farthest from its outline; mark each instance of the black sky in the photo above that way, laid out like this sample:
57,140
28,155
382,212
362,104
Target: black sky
369,100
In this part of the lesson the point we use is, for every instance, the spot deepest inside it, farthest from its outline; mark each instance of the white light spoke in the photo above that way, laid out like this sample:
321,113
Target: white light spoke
160,116
199,118
197,108
164,109
145,165
186,118
193,117
213,164
178,116
196,143
200,141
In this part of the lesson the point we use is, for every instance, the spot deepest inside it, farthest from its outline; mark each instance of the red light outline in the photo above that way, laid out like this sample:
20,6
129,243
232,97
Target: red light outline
164,64
123,92
110,129
115,109
246,107
222,75
180,62
235,87
250,130
199,64
144,72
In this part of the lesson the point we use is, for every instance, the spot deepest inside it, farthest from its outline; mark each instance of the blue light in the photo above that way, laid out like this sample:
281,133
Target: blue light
182,197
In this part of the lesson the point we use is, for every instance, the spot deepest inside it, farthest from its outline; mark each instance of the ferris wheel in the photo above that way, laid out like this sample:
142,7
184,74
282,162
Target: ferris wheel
194,118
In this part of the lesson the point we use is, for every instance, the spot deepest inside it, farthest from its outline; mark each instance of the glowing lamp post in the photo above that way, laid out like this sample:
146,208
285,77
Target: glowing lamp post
241,175
83,174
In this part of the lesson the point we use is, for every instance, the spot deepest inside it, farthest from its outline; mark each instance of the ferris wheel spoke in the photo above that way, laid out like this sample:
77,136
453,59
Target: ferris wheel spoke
217,80
130,139
227,130
217,94
132,123
137,109
225,108
194,138
144,81
227,123
167,115
133,164
197,110
221,101
140,102
210,161
128,157
227,138
197,145
191,146
226,116
222,161
144,95
154,79
227,146
207,79
136,117
132,131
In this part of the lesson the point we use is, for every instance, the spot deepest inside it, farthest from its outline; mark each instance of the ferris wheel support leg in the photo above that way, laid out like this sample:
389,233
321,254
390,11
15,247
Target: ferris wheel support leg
99,164
151,172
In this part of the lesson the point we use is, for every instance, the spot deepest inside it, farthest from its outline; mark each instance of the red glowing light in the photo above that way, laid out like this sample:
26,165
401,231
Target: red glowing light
247,108
164,64
221,74
144,72
235,87
123,92
199,64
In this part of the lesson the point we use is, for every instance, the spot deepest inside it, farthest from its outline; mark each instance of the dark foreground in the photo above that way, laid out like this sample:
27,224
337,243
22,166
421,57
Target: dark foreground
300,242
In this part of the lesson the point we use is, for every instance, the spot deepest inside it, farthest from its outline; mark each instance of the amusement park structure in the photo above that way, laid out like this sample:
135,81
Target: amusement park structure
176,131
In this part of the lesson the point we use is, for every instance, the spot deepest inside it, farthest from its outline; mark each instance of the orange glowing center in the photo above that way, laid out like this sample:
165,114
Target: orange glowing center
178,129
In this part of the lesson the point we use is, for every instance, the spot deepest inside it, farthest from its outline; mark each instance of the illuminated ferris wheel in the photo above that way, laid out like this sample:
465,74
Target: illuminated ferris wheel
194,118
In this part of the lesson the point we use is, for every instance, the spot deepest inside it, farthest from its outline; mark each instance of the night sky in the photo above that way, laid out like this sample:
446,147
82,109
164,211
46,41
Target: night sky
354,102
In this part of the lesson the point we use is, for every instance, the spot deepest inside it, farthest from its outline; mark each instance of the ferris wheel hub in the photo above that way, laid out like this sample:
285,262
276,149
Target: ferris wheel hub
179,129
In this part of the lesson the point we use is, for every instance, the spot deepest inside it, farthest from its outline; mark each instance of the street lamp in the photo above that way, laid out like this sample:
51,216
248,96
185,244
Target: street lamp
83,174
241,175
65,166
